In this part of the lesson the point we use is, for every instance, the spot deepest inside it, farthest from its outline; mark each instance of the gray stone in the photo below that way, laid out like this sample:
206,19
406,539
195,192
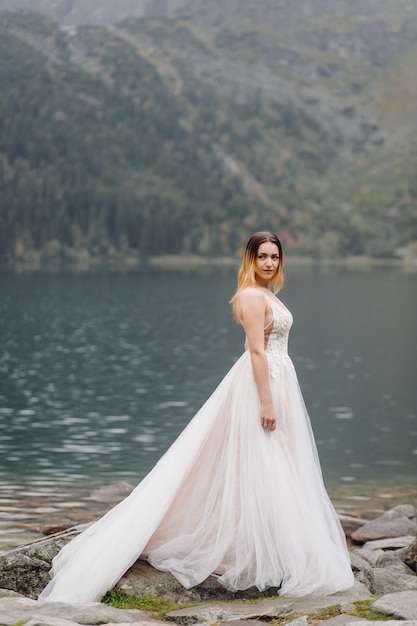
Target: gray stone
386,581
362,570
211,613
350,523
300,621
6,593
21,609
394,563
26,569
390,622
391,543
359,591
401,605
49,621
370,556
397,522
410,557
341,620
233,612
142,580
245,622
112,493
310,605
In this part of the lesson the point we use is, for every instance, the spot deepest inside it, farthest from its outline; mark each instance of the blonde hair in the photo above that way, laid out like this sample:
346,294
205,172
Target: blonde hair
246,276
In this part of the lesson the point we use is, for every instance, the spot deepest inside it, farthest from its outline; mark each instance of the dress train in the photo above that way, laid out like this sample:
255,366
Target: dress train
227,497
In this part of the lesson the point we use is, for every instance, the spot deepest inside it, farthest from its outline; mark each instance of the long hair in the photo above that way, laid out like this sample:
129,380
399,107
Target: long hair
246,276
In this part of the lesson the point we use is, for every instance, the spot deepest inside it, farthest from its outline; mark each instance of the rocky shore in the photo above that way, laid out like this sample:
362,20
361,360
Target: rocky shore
383,555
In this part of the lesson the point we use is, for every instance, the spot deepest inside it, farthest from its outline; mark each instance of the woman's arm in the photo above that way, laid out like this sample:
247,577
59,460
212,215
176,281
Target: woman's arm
253,308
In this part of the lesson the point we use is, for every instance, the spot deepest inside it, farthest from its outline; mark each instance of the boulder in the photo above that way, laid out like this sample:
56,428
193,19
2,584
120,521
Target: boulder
26,569
22,609
386,581
267,610
46,621
397,522
362,570
142,580
394,563
410,557
392,543
370,556
401,605
226,611
350,523
390,622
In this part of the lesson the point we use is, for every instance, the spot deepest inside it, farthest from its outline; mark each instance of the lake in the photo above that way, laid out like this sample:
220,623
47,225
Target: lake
99,371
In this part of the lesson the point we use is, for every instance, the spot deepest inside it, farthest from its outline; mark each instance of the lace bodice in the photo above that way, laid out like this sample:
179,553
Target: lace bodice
276,340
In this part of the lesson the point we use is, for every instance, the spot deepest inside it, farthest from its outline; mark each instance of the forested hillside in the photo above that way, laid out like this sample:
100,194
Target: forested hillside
183,133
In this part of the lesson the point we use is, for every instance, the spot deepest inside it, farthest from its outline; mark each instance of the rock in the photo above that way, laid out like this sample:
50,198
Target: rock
342,620
53,530
267,610
401,605
309,605
397,522
392,561
391,543
142,579
211,613
49,621
362,570
386,581
300,621
6,593
112,493
350,523
370,556
245,622
26,569
22,609
386,623
410,557
359,591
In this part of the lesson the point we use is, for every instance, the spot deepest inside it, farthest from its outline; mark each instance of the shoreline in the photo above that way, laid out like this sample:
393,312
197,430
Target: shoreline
30,507
189,262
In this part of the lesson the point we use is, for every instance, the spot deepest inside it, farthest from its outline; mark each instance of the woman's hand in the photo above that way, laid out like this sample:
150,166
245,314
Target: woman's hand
268,418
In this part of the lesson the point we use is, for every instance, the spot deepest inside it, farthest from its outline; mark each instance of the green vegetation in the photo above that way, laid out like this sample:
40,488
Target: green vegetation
158,607
363,610
112,145
331,611
29,21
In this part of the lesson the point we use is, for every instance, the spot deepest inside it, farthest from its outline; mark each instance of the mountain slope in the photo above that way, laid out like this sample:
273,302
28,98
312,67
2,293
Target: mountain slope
182,133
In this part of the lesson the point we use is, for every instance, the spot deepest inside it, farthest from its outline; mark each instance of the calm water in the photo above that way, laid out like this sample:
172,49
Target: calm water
100,371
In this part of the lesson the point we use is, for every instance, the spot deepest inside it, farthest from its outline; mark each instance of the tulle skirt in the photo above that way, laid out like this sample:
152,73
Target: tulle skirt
228,498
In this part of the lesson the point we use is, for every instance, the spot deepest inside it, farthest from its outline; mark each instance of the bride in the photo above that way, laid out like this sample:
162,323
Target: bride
239,495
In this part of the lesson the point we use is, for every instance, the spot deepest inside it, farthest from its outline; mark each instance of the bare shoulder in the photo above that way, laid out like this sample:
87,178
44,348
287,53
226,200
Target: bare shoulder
250,297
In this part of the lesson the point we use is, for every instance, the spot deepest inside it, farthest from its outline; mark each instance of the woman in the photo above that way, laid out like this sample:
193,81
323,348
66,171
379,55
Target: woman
239,494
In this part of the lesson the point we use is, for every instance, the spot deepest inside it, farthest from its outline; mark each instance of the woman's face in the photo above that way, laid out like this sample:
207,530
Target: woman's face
266,263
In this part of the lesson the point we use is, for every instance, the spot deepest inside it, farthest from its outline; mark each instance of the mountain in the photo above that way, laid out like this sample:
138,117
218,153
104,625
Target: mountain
181,126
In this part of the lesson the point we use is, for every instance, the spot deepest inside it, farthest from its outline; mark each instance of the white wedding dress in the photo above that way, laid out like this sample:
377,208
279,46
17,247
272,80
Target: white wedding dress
228,498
